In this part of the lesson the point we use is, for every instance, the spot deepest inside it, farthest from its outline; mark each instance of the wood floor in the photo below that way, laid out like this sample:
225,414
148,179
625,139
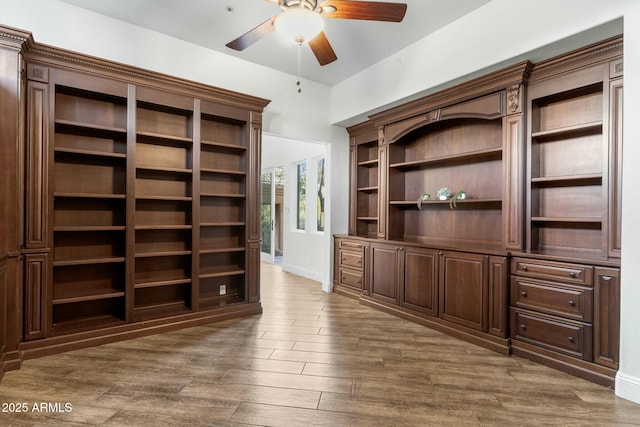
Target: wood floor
311,358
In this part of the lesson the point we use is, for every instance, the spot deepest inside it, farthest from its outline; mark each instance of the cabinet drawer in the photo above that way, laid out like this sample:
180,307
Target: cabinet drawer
572,338
350,278
350,245
568,273
350,259
575,302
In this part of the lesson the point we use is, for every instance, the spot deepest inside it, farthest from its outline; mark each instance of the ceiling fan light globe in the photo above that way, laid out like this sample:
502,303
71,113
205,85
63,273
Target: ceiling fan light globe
299,24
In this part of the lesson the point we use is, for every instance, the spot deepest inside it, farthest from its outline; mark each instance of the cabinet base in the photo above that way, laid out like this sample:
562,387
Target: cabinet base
494,343
347,291
579,368
54,345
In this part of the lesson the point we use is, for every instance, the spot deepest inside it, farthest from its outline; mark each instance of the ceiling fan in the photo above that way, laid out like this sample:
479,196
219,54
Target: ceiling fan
302,21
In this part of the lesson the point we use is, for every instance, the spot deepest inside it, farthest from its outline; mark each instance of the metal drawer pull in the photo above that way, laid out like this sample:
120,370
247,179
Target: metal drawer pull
571,339
525,268
524,294
523,326
572,303
572,274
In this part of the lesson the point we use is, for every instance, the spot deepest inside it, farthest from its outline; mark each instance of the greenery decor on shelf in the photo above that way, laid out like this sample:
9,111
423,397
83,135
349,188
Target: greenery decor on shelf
423,198
444,193
459,195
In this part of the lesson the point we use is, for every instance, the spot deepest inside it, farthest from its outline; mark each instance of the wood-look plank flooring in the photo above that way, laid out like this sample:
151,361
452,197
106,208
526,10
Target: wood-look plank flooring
311,358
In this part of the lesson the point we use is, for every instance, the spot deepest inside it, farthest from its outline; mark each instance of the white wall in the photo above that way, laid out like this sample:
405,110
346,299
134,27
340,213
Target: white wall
628,378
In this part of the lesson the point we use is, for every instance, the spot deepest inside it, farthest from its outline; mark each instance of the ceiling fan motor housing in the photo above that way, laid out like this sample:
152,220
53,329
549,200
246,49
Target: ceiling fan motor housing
307,4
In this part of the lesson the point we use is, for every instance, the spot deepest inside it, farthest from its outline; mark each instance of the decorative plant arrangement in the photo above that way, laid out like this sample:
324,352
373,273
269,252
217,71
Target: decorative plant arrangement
458,195
443,194
423,198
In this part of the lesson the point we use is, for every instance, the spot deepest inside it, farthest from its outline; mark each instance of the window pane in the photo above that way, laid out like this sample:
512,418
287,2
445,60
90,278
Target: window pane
302,193
320,195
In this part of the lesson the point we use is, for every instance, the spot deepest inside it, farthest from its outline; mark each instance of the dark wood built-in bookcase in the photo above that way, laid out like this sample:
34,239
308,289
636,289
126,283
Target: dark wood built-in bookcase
88,181
528,262
141,203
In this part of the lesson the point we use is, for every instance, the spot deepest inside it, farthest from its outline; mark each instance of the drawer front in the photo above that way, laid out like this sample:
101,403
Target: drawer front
574,302
567,337
350,278
568,273
352,245
350,259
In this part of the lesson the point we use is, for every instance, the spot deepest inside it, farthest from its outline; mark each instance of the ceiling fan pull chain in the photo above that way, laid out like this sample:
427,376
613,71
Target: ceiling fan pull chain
299,61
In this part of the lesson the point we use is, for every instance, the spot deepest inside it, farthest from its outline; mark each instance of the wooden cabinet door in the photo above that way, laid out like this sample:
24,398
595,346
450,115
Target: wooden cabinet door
606,317
420,284
384,272
464,289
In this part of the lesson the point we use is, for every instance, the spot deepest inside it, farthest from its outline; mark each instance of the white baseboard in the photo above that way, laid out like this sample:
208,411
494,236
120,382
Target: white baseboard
628,387
300,271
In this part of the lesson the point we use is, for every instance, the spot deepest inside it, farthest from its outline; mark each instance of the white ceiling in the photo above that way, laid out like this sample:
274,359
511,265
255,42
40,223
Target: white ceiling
358,44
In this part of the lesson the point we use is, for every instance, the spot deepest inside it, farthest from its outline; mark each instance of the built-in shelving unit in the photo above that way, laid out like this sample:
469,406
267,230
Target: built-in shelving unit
528,261
144,207
89,209
163,206
365,169
223,210
460,154
568,165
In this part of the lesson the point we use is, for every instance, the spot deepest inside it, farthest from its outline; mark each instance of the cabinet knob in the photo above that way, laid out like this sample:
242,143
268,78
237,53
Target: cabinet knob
523,326
525,268
572,303
571,339
524,294
572,274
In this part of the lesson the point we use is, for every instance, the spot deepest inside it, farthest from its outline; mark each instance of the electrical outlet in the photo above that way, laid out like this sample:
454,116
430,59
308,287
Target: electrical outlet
223,289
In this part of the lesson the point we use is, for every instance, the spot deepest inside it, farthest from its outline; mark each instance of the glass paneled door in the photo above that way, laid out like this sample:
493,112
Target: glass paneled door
272,189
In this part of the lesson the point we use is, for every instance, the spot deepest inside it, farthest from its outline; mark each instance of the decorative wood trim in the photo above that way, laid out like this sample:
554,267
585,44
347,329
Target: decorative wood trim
513,158
36,166
36,296
130,267
579,58
487,107
353,184
498,301
4,283
616,68
253,271
253,163
514,99
96,66
615,170
606,322
499,80
195,205
383,194
14,38
37,73
362,132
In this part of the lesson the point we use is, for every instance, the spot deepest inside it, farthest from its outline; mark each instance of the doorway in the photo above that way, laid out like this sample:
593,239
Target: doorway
271,203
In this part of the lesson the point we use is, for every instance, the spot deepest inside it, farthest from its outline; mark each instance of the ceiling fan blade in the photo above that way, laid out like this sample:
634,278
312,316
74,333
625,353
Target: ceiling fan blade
252,36
366,10
322,49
